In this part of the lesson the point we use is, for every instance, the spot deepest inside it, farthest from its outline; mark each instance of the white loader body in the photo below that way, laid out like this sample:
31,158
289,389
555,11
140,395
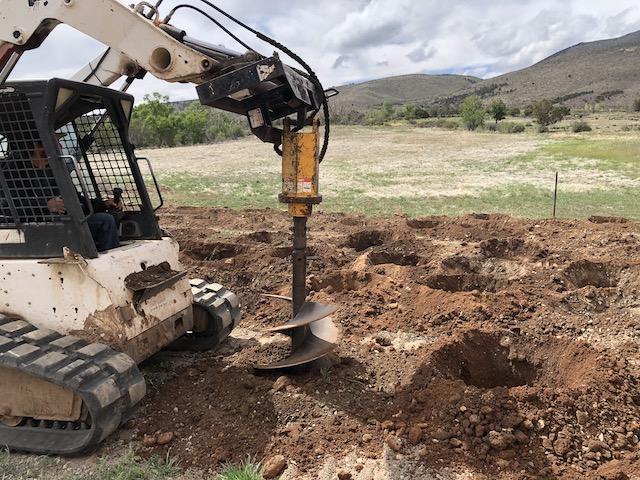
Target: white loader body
90,297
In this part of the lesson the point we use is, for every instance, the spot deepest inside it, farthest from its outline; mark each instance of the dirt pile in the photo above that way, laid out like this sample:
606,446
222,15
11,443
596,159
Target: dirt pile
475,347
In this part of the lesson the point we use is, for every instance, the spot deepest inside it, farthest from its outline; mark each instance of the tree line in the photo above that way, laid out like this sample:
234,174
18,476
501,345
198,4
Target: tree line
544,112
471,113
158,123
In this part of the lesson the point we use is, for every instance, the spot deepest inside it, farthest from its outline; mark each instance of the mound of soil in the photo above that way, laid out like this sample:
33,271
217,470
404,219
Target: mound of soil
476,347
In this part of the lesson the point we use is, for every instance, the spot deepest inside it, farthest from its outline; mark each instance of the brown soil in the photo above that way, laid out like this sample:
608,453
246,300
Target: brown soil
482,346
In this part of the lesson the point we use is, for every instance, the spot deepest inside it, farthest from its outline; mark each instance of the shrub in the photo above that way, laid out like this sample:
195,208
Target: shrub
380,116
248,469
447,124
512,127
636,105
580,126
507,127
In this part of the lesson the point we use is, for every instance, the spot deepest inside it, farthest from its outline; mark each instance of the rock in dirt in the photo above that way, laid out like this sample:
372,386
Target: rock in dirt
455,443
394,443
165,438
562,446
281,383
597,446
149,441
500,440
129,424
582,417
274,466
344,475
415,435
612,470
441,435
521,437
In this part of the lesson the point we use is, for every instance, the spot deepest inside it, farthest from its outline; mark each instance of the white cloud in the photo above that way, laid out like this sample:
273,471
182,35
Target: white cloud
346,41
422,53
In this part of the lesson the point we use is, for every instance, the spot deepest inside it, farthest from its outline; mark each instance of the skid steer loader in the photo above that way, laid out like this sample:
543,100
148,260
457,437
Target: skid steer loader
76,317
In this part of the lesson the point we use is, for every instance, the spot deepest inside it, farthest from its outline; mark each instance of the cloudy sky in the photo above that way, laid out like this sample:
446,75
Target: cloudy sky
350,41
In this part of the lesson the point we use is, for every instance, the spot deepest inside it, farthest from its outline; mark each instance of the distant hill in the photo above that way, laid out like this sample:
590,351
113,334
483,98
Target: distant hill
419,89
606,72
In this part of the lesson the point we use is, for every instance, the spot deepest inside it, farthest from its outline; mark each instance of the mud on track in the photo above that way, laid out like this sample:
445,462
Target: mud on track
474,347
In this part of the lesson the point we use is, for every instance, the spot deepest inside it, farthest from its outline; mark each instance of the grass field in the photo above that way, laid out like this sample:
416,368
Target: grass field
423,171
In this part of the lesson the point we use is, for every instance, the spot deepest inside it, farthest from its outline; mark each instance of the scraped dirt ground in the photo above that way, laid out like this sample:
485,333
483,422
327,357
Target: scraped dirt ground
477,347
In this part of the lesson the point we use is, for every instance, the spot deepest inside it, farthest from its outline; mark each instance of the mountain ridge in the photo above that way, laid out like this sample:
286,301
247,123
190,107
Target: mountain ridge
605,73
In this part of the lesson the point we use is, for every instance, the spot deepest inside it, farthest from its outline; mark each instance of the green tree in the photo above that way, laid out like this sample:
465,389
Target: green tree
154,122
409,111
546,114
497,110
559,112
194,123
387,110
422,112
381,115
223,126
472,112
157,123
541,111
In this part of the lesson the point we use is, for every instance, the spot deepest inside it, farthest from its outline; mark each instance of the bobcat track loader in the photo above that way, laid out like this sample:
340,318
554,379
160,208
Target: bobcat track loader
75,322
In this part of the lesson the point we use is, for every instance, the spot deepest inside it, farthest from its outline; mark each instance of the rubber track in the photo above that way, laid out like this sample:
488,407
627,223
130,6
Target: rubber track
223,308
108,382
219,302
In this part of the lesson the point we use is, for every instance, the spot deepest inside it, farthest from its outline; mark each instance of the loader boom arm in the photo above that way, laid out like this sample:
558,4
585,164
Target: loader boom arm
138,41
259,87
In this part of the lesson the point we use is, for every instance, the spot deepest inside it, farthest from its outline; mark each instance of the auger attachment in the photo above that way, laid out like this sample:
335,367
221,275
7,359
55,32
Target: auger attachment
313,334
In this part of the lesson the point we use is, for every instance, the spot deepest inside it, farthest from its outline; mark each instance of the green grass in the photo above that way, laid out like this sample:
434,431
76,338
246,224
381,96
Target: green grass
415,171
532,202
247,469
131,467
620,154
32,467
228,190
128,467
619,149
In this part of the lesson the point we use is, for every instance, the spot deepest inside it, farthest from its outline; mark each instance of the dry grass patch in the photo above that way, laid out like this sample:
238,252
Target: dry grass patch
400,169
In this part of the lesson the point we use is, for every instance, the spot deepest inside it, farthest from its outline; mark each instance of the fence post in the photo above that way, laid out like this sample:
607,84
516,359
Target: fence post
555,196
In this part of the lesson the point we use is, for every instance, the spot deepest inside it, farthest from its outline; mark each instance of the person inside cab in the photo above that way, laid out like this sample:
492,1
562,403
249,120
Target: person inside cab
36,196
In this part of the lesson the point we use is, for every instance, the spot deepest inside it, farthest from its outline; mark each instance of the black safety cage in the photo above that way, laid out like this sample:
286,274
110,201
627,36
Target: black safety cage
60,138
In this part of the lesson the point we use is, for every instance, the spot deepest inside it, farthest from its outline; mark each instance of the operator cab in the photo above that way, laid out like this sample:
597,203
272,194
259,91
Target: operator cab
68,140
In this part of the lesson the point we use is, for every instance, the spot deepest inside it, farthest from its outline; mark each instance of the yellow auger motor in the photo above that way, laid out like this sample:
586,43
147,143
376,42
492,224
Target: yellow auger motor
313,334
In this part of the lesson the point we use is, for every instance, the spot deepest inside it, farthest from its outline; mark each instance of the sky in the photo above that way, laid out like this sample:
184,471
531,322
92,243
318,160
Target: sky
351,41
